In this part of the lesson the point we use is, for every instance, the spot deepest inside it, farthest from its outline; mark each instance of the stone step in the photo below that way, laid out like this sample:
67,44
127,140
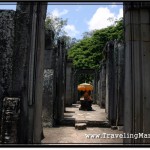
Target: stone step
68,122
72,122
80,126
103,124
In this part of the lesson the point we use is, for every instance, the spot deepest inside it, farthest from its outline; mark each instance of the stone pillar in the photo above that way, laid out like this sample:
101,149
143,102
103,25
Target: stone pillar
73,85
119,86
95,87
110,82
103,86
28,68
99,89
75,91
60,81
137,70
69,100
49,81
56,86
115,82
6,53
64,73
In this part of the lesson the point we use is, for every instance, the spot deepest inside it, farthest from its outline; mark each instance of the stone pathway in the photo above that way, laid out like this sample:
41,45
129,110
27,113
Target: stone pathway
94,118
69,135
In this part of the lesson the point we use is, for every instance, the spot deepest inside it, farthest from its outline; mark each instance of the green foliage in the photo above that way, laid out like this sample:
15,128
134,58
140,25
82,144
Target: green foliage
85,78
57,25
88,52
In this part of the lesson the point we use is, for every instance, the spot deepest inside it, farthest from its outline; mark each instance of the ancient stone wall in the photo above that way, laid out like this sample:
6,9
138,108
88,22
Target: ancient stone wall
28,59
6,51
115,82
6,55
137,72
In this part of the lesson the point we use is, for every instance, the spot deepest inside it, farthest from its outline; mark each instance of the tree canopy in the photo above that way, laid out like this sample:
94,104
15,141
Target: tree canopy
88,52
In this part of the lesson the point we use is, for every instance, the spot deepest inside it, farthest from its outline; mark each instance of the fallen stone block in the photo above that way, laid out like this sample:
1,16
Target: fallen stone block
80,126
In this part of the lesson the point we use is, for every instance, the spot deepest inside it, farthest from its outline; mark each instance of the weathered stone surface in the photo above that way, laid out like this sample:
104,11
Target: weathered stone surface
115,82
28,68
137,74
69,99
49,39
102,85
110,78
48,98
6,54
80,126
49,83
6,51
60,82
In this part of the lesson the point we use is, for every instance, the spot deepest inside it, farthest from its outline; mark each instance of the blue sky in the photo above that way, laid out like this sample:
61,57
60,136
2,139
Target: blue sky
83,17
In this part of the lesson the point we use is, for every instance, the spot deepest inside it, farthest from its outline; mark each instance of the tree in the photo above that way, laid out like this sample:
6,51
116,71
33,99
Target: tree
88,52
55,26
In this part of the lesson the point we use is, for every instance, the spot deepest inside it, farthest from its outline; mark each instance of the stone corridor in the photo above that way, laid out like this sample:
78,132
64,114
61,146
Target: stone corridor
96,124
97,117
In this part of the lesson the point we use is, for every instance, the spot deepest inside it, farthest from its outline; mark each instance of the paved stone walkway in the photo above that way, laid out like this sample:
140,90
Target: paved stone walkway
70,135
97,115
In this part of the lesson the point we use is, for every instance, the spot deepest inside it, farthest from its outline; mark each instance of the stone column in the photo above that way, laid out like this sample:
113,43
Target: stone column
48,98
119,83
110,78
75,87
6,54
95,86
69,100
64,73
49,81
103,85
28,68
99,89
137,69
60,82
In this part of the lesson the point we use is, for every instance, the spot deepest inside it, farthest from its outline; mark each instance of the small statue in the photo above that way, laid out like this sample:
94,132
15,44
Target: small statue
86,101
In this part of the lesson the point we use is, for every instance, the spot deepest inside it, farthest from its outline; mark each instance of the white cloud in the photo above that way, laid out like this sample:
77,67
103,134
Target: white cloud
103,18
58,13
71,30
100,19
120,13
